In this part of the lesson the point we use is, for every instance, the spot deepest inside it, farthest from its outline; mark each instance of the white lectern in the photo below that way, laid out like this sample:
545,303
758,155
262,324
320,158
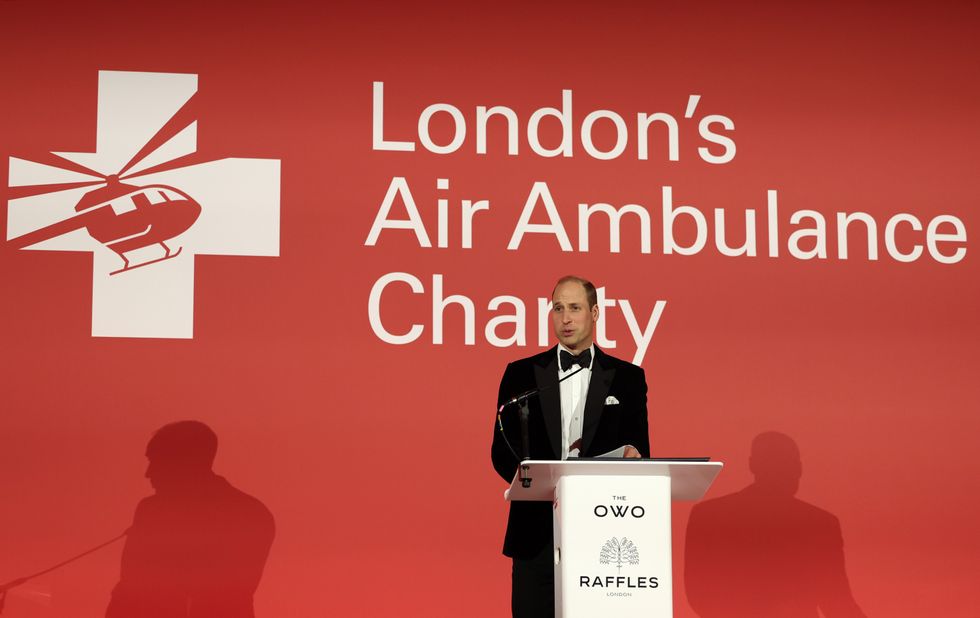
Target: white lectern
612,529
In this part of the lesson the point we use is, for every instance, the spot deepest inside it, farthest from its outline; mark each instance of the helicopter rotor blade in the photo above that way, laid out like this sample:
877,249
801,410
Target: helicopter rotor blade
177,124
55,229
28,173
53,160
16,193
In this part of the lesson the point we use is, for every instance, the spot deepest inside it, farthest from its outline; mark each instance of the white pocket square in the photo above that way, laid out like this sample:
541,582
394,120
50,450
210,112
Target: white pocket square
611,401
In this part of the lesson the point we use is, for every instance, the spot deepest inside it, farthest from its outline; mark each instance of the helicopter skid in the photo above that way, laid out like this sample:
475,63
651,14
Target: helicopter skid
127,268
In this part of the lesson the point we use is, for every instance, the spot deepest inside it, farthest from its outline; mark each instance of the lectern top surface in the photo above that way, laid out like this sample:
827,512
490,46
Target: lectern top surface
689,480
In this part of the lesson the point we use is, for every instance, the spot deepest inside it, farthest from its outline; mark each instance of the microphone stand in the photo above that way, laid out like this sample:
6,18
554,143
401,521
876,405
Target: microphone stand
523,416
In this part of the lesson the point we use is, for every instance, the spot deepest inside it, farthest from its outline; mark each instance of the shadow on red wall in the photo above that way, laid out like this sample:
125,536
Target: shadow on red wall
198,546
763,553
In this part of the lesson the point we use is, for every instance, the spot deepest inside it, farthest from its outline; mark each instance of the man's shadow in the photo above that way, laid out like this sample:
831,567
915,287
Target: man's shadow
761,552
198,546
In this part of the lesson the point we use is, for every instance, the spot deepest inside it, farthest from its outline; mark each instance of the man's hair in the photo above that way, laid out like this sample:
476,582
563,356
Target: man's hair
590,292
189,441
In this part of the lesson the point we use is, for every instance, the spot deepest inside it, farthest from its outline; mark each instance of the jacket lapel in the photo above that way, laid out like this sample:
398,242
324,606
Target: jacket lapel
546,380
602,376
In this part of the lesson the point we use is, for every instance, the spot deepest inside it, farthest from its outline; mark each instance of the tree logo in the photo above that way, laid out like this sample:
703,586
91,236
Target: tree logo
619,552
143,204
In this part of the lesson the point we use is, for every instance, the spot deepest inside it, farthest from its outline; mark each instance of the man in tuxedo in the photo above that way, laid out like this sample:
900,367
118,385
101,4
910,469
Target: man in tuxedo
601,407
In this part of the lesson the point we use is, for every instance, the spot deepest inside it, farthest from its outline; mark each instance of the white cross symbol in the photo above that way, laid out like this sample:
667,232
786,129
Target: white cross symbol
239,200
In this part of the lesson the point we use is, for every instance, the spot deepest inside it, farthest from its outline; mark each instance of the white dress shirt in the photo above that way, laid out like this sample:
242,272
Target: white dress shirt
573,394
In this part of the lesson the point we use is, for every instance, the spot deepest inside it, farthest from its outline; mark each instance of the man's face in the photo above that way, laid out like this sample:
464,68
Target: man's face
571,316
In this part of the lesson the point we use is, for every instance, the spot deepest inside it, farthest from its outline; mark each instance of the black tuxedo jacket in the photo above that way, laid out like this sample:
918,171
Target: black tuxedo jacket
605,427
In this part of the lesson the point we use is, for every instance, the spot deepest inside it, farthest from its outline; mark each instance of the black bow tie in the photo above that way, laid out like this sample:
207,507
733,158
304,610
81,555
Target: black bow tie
566,359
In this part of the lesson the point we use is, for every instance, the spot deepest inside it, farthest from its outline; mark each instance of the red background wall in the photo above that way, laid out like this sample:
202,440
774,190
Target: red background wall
870,366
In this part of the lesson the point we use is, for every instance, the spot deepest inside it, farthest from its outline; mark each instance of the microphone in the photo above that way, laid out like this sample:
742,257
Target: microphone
534,391
516,398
